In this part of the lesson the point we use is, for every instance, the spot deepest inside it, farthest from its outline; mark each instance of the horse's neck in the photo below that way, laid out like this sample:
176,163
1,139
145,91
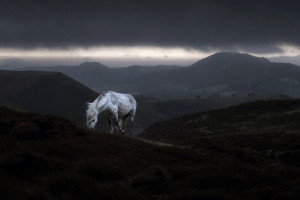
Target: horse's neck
101,105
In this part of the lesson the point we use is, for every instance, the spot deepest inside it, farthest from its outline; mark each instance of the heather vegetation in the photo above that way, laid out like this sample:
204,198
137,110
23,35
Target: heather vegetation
48,157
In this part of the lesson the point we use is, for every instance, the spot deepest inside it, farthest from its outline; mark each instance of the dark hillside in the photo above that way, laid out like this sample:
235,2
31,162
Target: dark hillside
264,128
45,92
47,157
151,110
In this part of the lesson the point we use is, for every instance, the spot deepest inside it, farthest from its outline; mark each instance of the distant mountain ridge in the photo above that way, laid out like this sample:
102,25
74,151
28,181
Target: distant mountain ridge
224,74
221,74
100,77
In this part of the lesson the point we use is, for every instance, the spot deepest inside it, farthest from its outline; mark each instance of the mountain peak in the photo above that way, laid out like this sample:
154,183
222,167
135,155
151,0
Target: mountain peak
92,64
224,57
236,54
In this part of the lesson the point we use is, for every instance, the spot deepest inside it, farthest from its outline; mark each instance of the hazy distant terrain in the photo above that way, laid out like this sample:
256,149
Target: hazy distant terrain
225,74
222,74
101,78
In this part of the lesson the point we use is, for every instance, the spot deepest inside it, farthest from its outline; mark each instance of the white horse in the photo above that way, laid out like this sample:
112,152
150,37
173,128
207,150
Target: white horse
118,107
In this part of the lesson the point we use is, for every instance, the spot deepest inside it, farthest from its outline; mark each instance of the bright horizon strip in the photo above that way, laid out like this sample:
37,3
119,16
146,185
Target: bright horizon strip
134,52
107,52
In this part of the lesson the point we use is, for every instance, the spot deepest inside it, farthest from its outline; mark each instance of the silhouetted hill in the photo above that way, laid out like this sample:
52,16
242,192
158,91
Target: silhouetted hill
45,92
92,74
243,73
48,157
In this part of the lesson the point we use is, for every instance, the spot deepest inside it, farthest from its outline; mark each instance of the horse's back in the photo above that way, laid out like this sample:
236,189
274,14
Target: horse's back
125,102
132,100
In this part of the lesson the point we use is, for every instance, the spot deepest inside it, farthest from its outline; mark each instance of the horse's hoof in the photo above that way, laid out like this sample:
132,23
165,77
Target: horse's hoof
128,133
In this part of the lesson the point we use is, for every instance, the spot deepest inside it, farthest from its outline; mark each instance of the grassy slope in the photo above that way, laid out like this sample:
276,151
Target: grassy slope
47,157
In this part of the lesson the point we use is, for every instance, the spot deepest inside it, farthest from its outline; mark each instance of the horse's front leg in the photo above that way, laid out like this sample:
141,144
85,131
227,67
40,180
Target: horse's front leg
120,126
124,123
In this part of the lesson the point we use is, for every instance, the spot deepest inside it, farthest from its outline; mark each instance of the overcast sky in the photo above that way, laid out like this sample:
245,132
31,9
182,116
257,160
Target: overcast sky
148,29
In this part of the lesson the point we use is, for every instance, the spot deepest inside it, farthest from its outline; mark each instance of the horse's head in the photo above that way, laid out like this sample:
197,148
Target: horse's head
91,116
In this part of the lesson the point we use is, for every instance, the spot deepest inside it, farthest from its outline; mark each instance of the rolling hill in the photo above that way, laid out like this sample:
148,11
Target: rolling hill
56,93
48,157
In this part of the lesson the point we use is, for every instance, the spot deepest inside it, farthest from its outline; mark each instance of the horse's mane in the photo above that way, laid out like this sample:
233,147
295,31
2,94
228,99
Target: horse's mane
102,94
89,105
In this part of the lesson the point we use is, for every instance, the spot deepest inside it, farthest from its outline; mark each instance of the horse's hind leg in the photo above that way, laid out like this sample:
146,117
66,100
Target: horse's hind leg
119,125
124,122
131,118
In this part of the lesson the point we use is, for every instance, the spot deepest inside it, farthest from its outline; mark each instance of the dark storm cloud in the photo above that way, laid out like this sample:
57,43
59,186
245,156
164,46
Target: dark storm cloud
253,25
